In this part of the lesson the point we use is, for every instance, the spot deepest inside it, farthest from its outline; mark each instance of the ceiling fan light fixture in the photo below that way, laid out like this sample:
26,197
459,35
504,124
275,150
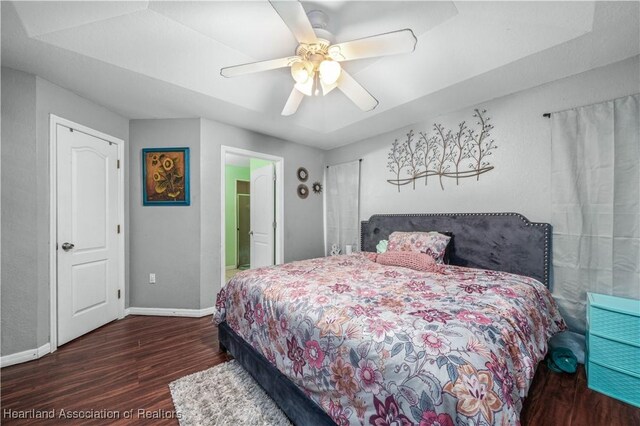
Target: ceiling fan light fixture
302,71
306,87
315,67
316,84
329,71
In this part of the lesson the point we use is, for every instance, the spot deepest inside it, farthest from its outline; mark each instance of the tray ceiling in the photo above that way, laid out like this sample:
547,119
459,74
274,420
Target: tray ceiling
162,59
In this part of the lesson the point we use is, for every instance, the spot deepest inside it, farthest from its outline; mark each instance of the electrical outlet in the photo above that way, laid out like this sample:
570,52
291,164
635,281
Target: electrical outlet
152,278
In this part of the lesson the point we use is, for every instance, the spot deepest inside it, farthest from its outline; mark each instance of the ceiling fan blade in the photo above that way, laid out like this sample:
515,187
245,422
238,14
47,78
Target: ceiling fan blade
295,98
326,88
393,43
272,64
294,16
354,91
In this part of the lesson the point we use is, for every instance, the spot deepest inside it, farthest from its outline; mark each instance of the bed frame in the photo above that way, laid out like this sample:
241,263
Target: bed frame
506,242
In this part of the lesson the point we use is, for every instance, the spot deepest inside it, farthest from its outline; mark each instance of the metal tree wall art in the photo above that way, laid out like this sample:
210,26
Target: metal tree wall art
455,154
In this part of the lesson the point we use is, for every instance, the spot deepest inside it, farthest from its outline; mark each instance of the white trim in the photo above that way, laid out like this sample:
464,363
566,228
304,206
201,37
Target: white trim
324,210
43,350
170,312
279,234
24,356
54,120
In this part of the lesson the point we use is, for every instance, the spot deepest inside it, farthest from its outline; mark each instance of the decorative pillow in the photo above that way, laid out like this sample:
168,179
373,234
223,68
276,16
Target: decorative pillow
382,246
432,243
409,259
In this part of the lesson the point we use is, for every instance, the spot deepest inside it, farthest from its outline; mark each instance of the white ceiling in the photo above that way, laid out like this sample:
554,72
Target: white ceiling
162,59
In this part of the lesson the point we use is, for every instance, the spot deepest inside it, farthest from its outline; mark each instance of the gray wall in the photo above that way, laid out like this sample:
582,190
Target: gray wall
181,245
521,180
33,266
165,240
303,227
19,213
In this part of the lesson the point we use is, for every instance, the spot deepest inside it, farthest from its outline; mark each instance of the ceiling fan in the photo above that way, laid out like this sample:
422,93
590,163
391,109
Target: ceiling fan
315,67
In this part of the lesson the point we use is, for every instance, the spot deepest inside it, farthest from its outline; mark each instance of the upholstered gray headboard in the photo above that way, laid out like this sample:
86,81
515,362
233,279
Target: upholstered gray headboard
498,241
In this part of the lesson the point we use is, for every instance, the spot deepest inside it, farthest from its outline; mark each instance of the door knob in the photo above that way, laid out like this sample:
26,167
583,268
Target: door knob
67,246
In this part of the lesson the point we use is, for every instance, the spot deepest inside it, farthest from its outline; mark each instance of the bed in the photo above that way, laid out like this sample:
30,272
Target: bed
344,340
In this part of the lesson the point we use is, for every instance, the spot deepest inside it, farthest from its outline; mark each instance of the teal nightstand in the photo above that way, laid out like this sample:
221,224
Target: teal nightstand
613,347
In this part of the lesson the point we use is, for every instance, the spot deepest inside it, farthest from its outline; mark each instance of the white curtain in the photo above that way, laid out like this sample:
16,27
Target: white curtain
342,198
595,204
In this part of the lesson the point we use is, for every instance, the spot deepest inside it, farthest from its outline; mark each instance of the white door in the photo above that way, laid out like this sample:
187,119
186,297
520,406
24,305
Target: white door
262,213
87,211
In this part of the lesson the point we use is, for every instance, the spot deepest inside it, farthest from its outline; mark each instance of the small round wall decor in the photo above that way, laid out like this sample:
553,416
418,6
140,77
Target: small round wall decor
317,187
303,191
303,174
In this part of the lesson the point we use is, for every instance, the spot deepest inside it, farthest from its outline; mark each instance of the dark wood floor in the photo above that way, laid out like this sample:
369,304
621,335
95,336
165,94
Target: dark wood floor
127,365
122,366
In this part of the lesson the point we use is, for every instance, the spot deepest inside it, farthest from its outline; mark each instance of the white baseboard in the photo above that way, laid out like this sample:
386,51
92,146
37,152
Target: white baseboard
24,356
170,312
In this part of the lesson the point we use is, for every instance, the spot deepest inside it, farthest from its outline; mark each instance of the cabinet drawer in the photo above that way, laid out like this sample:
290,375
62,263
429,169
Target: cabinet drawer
614,325
614,354
624,387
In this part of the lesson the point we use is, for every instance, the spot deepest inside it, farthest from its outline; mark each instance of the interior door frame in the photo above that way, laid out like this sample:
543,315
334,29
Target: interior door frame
54,121
279,170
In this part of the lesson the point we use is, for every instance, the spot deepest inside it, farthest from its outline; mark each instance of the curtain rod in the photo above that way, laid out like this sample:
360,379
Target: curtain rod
359,159
548,114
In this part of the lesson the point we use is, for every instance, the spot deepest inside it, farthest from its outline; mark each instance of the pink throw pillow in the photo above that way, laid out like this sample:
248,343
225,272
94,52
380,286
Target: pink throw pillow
408,259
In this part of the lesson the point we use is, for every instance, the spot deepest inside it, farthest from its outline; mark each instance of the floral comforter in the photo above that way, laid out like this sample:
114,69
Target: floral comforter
380,345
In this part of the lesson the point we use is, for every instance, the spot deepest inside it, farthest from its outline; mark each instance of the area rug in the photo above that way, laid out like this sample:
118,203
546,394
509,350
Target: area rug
224,395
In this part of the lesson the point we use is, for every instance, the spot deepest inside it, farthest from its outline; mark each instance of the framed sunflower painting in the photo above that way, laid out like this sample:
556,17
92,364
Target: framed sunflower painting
165,177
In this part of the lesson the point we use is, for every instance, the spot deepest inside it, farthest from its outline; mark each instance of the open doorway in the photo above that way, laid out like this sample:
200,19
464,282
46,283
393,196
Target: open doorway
251,211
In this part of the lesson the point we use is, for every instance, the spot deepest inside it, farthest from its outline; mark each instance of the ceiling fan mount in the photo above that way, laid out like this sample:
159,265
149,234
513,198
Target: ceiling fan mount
313,51
316,65
320,23
318,19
